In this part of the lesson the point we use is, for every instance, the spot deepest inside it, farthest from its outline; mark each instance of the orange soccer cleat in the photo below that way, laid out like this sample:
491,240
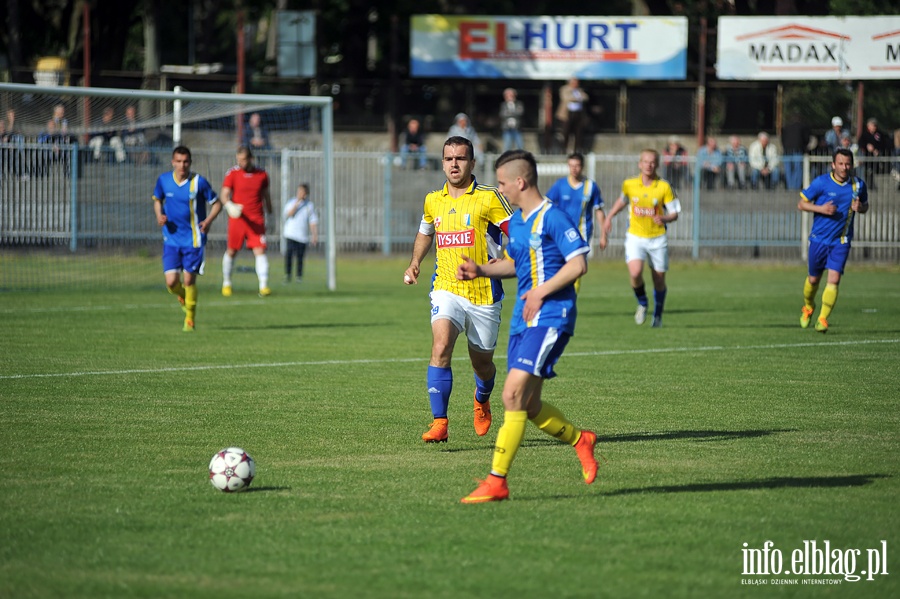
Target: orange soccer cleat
437,431
805,316
585,449
482,417
492,489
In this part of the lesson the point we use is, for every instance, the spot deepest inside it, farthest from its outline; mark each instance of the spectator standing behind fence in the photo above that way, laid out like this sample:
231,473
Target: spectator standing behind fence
413,143
765,162
833,135
511,111
711,160
133,136
256,137
737,164
11,160
675,162
301,228
59,117
570,114
107,135
874,143
794,139
462,127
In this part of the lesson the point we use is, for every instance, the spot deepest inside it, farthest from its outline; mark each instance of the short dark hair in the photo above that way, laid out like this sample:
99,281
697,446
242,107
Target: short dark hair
576,156
305,187
183,150
244,150
842,152
530,172
459,140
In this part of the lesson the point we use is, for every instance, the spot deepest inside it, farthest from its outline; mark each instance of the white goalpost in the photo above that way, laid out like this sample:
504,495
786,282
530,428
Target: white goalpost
77,164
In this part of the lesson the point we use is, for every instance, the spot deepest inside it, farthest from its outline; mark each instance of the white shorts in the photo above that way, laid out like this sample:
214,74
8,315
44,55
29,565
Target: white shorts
654,250
480,323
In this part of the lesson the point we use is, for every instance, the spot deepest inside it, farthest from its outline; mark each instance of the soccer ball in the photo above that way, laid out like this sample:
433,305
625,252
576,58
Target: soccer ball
231,470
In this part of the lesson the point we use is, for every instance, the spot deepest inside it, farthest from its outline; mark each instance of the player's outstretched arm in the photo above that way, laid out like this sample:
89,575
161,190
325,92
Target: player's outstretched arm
617,207
214,211
495,269
161,218
421,246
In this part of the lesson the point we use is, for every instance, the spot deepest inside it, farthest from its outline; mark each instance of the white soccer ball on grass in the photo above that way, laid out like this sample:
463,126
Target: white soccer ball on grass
231,470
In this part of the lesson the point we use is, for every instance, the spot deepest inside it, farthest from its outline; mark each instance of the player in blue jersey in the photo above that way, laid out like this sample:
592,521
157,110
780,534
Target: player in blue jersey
547,254
834,199
580,198
180,201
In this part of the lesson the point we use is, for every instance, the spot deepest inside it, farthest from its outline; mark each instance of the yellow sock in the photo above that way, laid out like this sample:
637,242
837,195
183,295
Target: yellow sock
190,301
177,290
809,293
829,298
577,285
551,421
509,438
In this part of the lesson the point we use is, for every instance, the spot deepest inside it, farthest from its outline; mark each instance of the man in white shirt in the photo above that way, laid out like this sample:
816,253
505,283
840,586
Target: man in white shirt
301,227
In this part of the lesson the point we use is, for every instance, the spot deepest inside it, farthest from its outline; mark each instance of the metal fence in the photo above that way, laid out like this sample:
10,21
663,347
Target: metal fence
61,199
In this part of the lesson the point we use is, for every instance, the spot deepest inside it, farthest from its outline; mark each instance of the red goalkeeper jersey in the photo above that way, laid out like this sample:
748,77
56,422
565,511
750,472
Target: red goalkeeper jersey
248,189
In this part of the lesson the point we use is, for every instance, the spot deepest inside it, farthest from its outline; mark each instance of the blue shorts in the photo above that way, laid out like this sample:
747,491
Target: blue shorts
832,257
185,259
536,350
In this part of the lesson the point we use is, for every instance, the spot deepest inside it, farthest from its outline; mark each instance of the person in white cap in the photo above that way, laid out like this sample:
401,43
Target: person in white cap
833,135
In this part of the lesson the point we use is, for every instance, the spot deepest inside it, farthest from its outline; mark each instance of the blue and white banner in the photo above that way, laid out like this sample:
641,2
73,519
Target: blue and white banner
549,47
798,48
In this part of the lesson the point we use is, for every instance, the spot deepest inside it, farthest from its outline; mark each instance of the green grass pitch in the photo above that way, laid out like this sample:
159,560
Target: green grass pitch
730,425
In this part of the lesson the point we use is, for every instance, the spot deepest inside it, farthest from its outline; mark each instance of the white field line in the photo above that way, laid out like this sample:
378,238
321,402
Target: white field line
170,305
499,358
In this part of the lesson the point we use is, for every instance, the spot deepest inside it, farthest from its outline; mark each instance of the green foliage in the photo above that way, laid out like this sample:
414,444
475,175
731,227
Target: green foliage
730,425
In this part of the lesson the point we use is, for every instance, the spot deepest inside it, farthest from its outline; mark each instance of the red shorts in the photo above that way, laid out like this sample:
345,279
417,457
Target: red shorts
240,229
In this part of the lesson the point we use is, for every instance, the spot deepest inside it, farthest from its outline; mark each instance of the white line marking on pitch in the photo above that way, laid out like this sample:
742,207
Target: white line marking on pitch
612,352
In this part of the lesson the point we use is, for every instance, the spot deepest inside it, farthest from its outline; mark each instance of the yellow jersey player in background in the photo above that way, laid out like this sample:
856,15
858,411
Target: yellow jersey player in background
463,218
652,205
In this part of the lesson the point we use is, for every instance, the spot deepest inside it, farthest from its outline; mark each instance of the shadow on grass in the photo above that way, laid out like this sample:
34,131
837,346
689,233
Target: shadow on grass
290,327
266,489
700,436
782,482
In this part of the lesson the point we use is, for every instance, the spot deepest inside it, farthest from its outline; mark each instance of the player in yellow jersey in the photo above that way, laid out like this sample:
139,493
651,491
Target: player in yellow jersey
463,218
652,205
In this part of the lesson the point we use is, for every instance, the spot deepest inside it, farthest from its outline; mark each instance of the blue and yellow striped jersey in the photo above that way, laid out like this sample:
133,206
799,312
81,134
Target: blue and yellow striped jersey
184,204
837,228
644,203
468,225
540,244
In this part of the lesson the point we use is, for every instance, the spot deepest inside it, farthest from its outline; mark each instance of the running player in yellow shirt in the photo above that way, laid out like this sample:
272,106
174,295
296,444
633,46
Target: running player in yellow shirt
464,219
652,205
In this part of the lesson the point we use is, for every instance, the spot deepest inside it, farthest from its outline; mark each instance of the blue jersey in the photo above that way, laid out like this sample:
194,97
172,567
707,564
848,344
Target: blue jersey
578,202
540,244
838,227
184,205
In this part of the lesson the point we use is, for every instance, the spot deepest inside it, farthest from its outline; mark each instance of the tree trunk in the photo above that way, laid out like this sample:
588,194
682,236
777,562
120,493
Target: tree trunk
15,41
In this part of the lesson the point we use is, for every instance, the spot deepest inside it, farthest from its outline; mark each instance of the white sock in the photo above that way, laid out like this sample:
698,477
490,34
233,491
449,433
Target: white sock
262,270
227,265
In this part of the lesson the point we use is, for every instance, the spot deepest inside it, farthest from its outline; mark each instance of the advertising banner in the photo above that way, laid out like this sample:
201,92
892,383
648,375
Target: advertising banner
799,48
548,47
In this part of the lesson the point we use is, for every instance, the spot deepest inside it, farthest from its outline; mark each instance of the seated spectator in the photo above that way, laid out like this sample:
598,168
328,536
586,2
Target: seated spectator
413,143
675,162
847,144
765,162
874,143
256,137
710,159
462,127
107,135
133,137
52,137
833,135
737,164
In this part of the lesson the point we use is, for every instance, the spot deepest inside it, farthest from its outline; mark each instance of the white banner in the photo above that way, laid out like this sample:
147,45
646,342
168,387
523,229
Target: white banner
548,47
782,48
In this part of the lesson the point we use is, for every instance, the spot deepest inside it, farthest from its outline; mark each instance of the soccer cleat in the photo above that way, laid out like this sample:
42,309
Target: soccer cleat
822,325
437,431
226,290
482,417
805,316
492,489
657,322
640,315
188,326
585,450
265,292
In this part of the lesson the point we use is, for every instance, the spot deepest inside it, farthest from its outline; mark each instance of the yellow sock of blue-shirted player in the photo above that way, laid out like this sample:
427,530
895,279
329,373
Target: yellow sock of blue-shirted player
829,298
551,421
190,301
178,290
809,293
509,438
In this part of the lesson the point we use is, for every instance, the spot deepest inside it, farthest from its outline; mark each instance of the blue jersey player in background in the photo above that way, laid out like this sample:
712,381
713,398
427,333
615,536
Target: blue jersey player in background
834,198
180,201
547,254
